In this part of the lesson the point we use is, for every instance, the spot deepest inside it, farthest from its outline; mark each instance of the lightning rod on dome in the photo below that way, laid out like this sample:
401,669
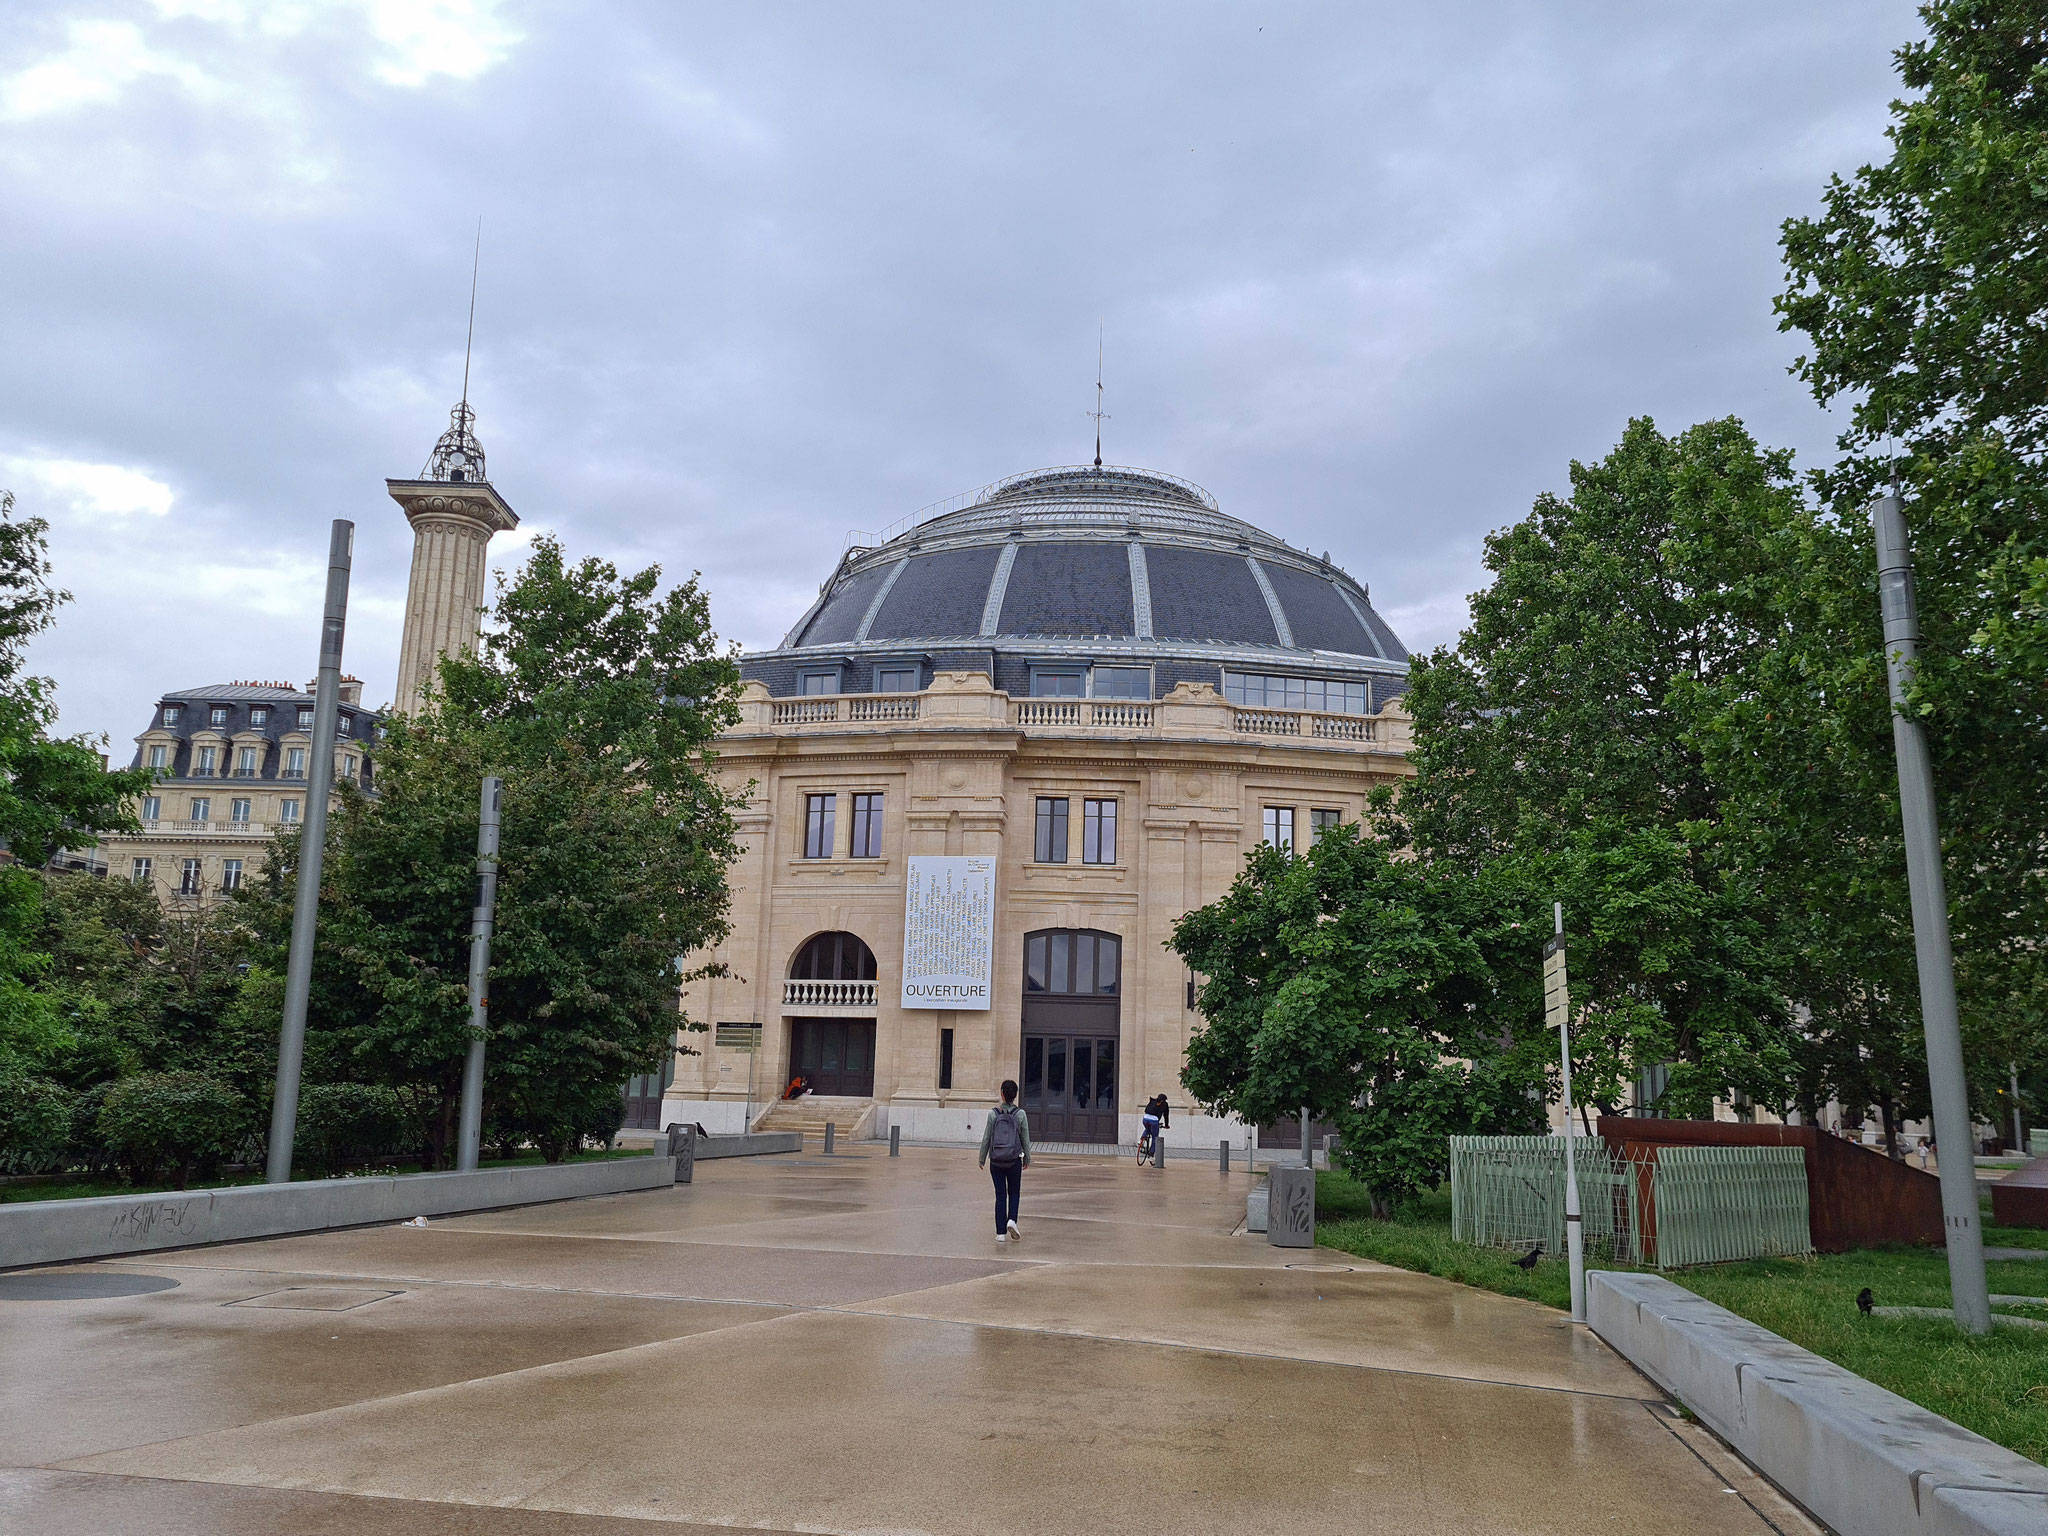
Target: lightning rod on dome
1098,413
475,264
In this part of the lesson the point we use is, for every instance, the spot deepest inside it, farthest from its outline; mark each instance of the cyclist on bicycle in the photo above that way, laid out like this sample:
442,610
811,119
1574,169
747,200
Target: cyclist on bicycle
1155,1120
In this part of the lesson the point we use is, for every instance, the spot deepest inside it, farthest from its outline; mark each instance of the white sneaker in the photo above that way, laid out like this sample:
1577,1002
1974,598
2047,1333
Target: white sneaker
1002,1237
1014,1232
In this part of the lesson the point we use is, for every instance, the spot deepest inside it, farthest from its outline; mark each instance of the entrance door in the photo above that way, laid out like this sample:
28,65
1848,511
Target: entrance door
1072,978
836,1055
1069,1087
643,1096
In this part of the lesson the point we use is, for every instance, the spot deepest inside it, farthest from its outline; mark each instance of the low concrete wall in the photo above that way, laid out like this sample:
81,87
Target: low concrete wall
1861,1459
755,1144
55,1231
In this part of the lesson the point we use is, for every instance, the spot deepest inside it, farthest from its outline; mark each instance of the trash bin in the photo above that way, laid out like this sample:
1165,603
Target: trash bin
1291,1208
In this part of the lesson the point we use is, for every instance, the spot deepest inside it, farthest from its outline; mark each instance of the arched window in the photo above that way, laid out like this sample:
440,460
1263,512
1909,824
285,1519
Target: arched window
833,957
1072,962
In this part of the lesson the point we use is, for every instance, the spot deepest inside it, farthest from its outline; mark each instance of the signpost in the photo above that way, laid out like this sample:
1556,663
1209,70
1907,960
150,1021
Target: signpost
742,1037
1557,1013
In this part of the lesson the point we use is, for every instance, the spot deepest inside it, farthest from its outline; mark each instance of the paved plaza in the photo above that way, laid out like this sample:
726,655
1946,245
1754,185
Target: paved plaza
835,1345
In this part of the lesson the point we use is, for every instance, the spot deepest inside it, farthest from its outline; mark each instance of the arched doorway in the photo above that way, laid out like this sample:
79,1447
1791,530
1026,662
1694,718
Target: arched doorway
831,978
1073,980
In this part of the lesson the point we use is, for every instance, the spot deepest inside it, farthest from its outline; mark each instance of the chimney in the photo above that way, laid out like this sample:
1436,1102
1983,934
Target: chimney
351,690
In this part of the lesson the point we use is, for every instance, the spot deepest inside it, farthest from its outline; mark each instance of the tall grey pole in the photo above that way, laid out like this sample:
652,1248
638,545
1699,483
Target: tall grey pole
1969,1294
298,976
480,925
1557,1003
2019,1140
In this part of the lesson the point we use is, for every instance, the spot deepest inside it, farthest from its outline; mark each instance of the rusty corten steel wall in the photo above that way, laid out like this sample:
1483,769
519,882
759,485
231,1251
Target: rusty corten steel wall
2021,1199
1857,1197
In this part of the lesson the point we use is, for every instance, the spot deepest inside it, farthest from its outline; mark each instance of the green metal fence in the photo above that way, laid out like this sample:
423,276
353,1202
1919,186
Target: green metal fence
1508,1192
1708,1205
1715,1204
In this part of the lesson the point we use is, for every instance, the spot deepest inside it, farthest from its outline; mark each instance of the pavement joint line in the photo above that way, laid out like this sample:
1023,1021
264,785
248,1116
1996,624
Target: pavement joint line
865,1309
1670,1427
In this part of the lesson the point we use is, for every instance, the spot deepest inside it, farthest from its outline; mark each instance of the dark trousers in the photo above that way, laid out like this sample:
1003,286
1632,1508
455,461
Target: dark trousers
1009,1181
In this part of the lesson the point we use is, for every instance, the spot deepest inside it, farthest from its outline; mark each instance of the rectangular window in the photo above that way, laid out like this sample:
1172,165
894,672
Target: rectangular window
205,767
1055,685
305,718
231,874
259,714
342,724
945,1058
1258,690
288,811
171,713
867,826
896,679
245,763
152,808
238,811
159,757
818,813
1051,844
1123,682
218,715
1320,822
202,808
1098,831
295,762
188,879
140,871
1280,827
821,682
348,766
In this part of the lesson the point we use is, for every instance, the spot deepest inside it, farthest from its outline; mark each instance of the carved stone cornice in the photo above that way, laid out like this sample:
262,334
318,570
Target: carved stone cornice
470,505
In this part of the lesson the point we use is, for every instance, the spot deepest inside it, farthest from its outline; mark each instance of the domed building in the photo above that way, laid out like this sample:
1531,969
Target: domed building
998,757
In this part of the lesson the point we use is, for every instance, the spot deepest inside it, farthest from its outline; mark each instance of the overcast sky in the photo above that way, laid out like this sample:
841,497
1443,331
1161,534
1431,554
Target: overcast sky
754,276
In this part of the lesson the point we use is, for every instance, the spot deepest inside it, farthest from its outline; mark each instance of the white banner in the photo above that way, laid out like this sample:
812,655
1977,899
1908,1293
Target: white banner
949,931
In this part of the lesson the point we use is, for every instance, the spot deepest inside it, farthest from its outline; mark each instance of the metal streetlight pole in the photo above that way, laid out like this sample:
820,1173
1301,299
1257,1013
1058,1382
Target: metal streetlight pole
298,976
1969,1293
1557,1009
482,921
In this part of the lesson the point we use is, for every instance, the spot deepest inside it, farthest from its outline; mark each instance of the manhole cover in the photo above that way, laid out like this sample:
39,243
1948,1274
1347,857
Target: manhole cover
317,1298
1327,1269
89,1285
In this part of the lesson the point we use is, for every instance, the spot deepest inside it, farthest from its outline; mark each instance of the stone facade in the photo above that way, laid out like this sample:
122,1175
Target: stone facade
960,767
231,761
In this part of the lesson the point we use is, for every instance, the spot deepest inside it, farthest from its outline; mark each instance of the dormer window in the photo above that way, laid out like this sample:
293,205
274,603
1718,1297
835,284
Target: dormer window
171,713
1056,683
1122,683
897,679
305,718
205,767
821,682
259,714
159,758
218,715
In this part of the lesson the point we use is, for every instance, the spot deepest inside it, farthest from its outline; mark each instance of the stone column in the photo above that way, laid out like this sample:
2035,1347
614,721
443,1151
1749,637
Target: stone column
452,524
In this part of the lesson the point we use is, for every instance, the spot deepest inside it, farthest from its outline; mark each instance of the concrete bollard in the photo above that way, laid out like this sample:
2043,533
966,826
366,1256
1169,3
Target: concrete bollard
830,1128
895,1141
1223,1155
1291,1209
1159,1150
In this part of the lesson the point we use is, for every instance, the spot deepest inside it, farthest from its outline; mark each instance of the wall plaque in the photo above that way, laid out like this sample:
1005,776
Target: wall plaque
949,925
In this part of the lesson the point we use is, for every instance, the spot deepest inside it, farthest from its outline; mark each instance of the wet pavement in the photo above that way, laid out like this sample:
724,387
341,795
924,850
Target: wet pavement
832,1345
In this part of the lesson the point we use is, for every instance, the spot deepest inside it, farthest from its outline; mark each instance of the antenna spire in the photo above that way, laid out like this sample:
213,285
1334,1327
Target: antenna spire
1098,413
475,261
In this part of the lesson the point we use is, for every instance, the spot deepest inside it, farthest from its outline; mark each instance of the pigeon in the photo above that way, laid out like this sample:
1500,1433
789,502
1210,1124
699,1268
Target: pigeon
1528,1260
1864,1300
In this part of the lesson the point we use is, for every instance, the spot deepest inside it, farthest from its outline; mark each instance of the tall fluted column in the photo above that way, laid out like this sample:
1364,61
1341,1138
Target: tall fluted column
452,524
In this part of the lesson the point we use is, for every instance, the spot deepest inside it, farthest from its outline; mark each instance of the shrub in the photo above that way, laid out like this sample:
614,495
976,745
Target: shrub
181,1120
35,1122
346,1123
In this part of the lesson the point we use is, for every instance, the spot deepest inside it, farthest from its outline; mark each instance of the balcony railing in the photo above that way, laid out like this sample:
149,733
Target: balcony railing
859,706
1101,714
1290,722
828,994
883,706
206,828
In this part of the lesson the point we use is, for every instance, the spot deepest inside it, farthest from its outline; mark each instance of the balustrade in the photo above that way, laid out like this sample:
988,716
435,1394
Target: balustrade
828,994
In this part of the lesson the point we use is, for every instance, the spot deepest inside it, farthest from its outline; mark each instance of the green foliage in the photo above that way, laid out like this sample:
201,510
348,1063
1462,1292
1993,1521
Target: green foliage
180,1120
35,1121
1919,290
1351,981
341,1124
594,701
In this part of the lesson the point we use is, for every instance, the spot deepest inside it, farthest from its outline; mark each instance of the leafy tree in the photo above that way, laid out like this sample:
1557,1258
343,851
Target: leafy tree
1919,289
184,1119
1556,753
1370,989
595,699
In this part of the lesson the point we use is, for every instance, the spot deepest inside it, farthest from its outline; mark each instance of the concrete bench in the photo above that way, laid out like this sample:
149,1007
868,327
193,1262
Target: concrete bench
1862,1460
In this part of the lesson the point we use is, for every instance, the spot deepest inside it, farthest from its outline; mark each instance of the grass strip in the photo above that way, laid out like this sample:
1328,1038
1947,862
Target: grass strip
1996,1385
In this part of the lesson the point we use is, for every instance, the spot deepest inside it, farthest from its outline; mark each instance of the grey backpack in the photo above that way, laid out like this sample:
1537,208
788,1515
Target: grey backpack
1005,1140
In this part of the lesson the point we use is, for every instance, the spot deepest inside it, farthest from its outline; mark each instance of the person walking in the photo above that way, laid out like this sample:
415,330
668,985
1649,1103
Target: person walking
1006,1153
